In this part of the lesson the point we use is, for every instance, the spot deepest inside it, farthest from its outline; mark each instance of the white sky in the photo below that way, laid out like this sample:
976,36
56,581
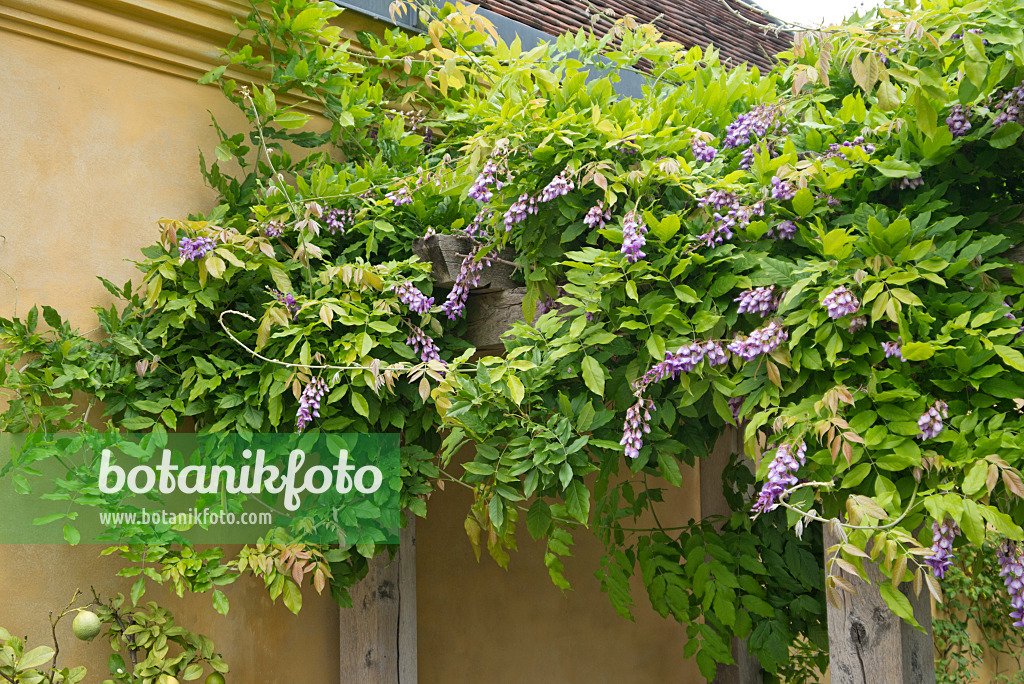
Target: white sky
815,11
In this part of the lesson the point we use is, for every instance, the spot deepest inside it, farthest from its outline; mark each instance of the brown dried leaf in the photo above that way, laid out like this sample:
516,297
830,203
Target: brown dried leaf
1012,481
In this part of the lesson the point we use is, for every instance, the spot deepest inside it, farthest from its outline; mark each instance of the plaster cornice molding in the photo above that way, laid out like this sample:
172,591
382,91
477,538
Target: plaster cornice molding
179,37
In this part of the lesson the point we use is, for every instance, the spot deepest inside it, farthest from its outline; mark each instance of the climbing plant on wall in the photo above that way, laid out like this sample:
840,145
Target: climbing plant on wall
820,255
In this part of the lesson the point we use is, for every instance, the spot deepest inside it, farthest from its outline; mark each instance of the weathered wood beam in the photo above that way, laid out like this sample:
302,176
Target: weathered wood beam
378,633
869,644
445,253
747,669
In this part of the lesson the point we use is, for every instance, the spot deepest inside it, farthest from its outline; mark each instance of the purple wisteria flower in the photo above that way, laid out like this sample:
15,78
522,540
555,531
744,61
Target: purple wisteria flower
735,405
337,219
786,230
958,121
714,353
942,547
423,345
1011,569
480,190
908,183
410,295
782,189
702,151
479,222
894,349
309,403
559,185
760,300
467,278
520,209
638,423
839,149
756,123
858,322
728,214
633,231
840,302
598,216
1010,106
191,249
287,300
400,196
273,229
781,474
762,341
930,421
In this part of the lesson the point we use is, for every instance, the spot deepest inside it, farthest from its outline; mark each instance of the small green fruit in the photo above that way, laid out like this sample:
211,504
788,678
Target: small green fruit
215,678
87,625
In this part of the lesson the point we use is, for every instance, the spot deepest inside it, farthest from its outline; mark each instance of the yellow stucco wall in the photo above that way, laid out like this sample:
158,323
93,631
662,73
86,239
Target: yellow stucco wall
99,131
100,136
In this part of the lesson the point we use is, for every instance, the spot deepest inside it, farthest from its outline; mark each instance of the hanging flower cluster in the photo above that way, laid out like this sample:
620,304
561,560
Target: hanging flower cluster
287,299
467,278
410,295
785,230
423,345
1011,569
479,223
893,349
191,249
942,547
638,423
781,475
481,188
337,219
760,300
728,214
958,121
560,185
858,323
520,209
702,151
309,403
1009,107
756,123
273,229
763,340
930,421
633,231
598,216
840,302
781,189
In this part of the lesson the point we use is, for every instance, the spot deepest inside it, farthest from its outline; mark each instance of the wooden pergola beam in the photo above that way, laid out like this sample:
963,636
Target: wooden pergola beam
378,633
868,643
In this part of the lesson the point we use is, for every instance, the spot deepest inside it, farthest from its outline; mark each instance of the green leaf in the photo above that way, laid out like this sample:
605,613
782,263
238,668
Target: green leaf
40,655
292,119
292,596
975,480
538,519
670,469
888,96
593,375
72,535
359,404
1006,135
972,523
899,603
307,19
1010,356
918,351
220,602
803,202
138,589
893,168
116,664
577,500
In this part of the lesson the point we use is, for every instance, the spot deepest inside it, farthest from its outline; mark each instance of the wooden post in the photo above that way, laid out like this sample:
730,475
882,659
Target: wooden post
747,669
378,633
869,644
